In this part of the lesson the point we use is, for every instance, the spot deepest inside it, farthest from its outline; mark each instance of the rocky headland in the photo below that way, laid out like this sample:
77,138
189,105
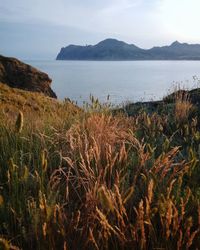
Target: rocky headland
17,74
112,49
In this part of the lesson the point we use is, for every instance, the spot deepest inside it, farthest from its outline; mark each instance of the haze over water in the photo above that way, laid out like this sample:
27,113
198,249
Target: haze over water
122,80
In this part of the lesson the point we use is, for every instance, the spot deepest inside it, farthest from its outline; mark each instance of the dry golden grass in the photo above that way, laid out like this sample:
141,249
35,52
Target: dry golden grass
183,106
93,180
99,154
37,109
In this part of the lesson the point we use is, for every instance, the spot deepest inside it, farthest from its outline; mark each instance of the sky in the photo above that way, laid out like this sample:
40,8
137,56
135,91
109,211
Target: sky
37,29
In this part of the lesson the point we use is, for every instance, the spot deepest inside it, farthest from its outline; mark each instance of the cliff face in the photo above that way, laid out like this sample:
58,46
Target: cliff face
17,74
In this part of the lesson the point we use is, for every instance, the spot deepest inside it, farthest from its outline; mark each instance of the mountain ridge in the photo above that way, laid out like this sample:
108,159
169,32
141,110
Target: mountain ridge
113,49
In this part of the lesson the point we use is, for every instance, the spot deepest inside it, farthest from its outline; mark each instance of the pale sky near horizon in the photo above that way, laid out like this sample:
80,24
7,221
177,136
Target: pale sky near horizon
37,29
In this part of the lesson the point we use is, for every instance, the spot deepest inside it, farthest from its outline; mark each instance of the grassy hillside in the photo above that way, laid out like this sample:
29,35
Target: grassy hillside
15,99
91,179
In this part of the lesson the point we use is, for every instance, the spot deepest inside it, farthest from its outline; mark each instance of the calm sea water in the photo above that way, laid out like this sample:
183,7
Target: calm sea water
123,81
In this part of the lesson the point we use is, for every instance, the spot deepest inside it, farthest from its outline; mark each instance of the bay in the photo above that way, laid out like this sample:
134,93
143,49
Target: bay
123,81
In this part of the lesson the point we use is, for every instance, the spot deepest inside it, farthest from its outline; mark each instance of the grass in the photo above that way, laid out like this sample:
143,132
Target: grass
91,179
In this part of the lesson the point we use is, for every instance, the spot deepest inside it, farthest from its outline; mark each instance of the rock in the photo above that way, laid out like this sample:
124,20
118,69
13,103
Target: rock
166,105
19,75
192,95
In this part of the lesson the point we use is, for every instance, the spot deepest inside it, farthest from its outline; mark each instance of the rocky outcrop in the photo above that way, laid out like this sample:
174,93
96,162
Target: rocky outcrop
166,105
17,74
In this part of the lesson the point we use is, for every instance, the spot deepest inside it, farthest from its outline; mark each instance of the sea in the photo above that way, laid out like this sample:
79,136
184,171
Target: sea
122,81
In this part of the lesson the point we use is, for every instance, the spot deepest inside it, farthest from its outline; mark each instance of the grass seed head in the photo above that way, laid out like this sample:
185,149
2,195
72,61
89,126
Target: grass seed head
19,122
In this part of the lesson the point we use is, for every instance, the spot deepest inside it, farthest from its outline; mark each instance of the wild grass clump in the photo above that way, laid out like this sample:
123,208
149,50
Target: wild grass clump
183,106
93,180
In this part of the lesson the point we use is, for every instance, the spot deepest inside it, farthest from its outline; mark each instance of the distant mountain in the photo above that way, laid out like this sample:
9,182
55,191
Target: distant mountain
176,51
112,49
